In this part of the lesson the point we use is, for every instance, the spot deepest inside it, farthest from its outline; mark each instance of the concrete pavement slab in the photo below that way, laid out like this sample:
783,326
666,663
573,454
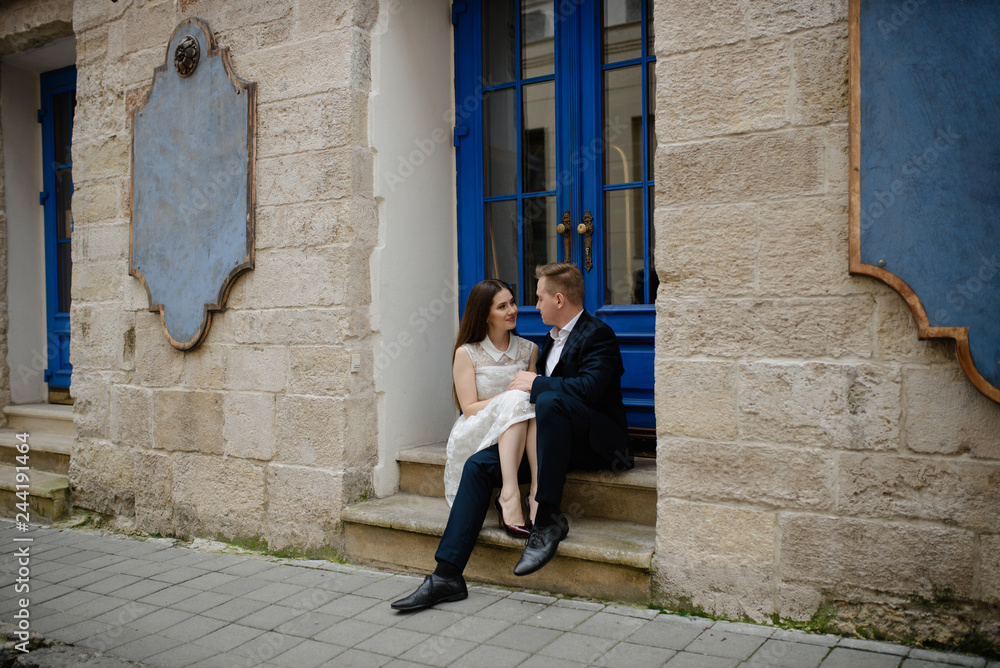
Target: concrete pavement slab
309,654
785,654
728,645
843,657
522,637
627,655
439,651
180,656
947,658
348,632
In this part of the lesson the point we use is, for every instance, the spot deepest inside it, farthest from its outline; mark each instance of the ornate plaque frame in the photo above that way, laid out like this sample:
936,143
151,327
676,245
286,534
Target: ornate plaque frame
888,267
193,184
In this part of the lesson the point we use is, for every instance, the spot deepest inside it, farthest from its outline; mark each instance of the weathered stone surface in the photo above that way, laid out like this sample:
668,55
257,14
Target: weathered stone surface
718,557
88,15
957,492
92,405
217,496
149,26
299,226
241,14
795,328
820,94
102,477
798,602
250,38
310,431
837,139
707,251
157,363
770,18
307,326
188,420
249,425
944,413
804,250
359,440
846,406
282,73
131,416
694,24
205,366
739,169
303,506
104,157
989,568
896,333
781,477
95,243
840,553
140,65
320,370
696,398
98,281
96,202
260,368
724,91
154,482
316,17
293,277
326,120
100,336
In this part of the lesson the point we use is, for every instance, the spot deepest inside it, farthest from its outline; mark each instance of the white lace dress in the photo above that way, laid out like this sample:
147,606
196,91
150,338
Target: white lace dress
494,371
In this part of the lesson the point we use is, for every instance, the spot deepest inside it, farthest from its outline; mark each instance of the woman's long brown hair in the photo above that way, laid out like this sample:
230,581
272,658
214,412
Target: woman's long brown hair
474,327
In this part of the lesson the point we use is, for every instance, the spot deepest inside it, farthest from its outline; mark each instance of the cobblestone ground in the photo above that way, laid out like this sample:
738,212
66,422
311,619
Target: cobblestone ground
119,601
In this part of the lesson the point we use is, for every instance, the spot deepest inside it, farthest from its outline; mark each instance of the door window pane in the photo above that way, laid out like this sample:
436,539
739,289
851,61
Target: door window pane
651,115
540,240
650,51
500,119
538,151
654,280
623,125
622,30
501,242
624,247
63,105
538,29
498,41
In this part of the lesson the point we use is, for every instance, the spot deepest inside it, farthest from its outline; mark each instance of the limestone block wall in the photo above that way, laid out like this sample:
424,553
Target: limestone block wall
814,457
262,431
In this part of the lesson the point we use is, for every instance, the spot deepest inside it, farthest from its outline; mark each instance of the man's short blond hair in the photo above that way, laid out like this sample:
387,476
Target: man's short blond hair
564,277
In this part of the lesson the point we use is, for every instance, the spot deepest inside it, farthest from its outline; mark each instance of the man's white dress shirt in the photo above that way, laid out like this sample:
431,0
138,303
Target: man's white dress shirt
559,336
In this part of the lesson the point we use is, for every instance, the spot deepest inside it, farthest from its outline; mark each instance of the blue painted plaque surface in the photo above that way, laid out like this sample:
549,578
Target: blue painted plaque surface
930,162
192,187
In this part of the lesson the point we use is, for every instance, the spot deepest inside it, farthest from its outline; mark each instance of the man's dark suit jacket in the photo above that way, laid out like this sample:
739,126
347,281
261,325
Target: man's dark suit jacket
590,370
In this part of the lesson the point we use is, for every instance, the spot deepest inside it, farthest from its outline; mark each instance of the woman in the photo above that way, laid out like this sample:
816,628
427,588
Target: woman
487,356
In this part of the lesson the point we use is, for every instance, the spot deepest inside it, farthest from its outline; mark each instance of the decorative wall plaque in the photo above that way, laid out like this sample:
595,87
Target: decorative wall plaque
925,167
193,185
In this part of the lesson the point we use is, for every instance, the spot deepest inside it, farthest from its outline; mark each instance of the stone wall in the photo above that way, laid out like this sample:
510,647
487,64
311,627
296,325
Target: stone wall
4,319
262,431
814,456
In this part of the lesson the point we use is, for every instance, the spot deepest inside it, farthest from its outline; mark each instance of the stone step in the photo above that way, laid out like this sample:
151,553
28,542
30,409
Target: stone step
600,558
47,452
41,418
628,496
48,494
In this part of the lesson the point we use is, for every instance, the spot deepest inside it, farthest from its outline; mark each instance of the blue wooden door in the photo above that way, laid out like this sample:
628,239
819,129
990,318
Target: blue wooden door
554,137
58,99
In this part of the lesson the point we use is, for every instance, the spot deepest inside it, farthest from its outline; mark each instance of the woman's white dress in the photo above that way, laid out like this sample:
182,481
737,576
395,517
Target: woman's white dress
494,371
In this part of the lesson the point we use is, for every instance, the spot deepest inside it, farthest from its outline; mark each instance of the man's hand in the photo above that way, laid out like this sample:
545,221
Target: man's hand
522,381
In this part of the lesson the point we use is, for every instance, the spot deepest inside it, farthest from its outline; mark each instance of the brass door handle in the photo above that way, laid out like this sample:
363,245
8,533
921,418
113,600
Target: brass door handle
566,231
586,228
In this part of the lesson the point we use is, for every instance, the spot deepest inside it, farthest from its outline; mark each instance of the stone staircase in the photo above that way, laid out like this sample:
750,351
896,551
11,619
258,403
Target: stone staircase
50,439
607,554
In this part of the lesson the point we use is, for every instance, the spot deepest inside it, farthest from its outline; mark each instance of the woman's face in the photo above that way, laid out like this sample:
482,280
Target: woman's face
503,312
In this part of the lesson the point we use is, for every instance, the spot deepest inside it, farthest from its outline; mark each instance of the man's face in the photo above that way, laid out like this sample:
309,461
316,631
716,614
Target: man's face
546,304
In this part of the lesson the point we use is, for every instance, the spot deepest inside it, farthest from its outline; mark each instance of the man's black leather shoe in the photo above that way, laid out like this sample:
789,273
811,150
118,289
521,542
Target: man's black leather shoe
434,589
541,547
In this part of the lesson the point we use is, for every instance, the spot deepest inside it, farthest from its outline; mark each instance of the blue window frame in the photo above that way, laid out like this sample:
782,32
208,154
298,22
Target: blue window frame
526,163
58,100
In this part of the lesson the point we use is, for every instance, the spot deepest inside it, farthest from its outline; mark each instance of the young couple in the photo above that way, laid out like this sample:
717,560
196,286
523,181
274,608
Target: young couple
560,409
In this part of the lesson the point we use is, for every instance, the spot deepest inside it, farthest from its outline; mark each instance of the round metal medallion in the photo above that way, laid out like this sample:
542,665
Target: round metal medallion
186,56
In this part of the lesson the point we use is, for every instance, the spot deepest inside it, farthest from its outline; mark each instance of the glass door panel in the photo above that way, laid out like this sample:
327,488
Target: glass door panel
500,119
541,242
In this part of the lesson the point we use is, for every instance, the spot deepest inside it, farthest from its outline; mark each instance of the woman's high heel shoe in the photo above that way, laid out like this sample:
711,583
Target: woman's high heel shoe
514,530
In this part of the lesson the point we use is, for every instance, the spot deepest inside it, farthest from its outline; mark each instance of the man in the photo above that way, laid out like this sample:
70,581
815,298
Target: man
580,421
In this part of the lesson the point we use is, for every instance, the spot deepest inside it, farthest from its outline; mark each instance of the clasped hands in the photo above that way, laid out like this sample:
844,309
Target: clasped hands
522,381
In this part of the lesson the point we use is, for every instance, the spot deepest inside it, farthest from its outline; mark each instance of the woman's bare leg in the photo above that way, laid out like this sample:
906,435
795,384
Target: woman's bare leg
511,445
531,449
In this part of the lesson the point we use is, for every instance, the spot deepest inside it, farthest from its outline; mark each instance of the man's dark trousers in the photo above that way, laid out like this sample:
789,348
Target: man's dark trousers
580,420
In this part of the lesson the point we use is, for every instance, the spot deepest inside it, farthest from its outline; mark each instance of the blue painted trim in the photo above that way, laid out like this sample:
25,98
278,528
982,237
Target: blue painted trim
59,371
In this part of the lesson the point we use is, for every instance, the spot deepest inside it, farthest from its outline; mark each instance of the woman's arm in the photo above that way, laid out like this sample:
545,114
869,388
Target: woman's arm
534,358
465,383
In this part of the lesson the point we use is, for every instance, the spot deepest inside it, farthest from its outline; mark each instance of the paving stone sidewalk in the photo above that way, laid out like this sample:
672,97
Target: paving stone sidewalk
165,606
